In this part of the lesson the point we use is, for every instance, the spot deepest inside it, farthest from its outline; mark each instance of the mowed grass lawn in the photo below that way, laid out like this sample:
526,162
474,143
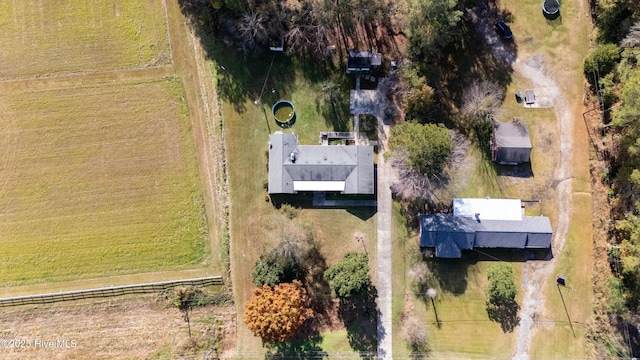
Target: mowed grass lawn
42,38
98,181
247,129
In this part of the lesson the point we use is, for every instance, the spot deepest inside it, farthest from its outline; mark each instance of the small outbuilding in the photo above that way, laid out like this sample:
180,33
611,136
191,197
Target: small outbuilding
510,143
362,61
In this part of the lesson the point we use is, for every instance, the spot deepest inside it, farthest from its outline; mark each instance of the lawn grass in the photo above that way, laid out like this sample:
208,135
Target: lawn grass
98,181
563,331
247,128
337,342
461,309
42,38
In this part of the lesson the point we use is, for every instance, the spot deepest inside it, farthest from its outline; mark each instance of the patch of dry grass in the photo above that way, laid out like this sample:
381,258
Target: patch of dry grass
42,38
113,329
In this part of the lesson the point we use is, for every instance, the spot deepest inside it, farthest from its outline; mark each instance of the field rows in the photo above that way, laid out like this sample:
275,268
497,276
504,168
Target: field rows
98,181
42,38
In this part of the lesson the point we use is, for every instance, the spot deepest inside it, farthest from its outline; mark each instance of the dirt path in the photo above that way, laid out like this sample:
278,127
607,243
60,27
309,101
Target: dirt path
536,273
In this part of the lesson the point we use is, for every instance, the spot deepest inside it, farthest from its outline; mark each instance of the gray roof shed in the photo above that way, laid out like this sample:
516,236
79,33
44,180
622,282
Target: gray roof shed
347,169
510,143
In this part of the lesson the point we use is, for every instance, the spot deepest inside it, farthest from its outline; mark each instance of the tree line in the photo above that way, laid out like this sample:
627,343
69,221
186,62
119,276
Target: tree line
612,72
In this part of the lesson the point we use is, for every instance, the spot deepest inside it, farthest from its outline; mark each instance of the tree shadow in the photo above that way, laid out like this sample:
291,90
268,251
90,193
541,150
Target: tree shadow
335,108
359,313
318,289
297,349
459,68
505,313
241,77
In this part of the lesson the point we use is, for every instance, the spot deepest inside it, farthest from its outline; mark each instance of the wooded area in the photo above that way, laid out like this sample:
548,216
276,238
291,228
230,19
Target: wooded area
612,70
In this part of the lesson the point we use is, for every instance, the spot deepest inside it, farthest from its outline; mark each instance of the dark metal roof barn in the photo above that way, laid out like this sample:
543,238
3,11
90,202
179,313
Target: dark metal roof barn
496,223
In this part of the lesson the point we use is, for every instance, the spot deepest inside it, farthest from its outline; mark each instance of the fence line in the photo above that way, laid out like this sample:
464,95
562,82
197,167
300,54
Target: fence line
146,288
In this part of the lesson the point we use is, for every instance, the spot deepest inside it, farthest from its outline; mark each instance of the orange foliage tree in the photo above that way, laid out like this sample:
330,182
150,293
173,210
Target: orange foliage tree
276,314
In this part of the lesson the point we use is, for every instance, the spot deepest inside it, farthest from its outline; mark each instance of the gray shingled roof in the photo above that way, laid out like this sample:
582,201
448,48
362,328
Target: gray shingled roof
450,234
511,142
352,165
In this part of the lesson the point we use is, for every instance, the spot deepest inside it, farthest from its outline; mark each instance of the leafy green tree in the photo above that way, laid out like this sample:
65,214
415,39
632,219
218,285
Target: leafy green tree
349,276
603,59
501,295
268,271
501,288
629,231
432,25
418,101
629,110
427,146
613,18
280,265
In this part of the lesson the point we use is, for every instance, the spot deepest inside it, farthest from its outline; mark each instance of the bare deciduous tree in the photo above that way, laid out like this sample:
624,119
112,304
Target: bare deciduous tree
412,184
419,273
414,332
633,38
481,101
252,31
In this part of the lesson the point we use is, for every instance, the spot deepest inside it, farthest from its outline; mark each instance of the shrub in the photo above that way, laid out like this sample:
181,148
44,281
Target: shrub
349,276
603,59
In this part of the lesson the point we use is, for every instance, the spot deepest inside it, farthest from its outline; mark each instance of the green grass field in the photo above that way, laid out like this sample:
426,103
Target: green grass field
98,181
42,38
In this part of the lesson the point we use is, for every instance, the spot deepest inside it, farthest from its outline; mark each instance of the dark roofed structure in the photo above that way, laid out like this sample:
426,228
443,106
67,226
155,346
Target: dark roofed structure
363,61
347,169
510,143
450,234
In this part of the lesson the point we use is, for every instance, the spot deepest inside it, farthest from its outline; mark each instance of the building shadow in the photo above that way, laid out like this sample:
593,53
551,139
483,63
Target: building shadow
451,274
523,170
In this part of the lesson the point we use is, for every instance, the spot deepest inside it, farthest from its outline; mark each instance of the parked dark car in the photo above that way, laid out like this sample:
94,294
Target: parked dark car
503,29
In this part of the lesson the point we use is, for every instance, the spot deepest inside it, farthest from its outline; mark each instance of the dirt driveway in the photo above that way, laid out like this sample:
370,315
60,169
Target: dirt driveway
537,272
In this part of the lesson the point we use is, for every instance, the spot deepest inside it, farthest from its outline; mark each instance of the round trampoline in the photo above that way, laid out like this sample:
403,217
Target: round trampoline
284,113
551,7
